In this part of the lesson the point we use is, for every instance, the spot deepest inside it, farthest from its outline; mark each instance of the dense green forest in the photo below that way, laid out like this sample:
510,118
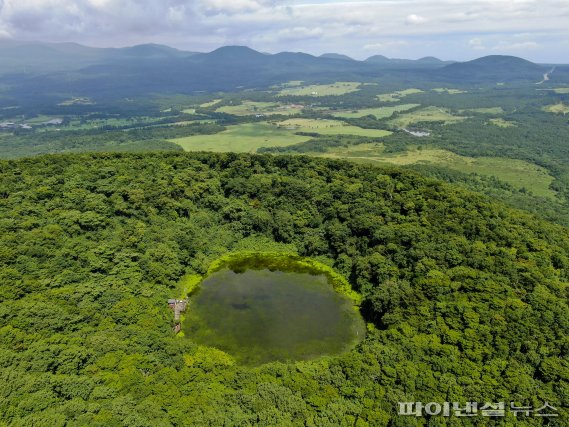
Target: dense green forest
465,299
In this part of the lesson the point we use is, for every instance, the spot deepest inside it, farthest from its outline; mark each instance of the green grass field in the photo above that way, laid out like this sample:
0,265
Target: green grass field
249,108
489,110
379,113
330,127
41,119
396,96
248,137
210,103
502,123
559,108
335,89
76,101
94,124
244,138
428,114
292,83
561,90
518,173
449,91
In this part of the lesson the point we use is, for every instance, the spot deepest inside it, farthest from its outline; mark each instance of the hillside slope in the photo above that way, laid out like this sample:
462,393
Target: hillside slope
52,70
496,68
466,300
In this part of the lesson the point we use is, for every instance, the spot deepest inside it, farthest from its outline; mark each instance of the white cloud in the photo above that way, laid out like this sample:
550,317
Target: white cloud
386,44
353,27
529,45
300,33
231,7
476,44
415,19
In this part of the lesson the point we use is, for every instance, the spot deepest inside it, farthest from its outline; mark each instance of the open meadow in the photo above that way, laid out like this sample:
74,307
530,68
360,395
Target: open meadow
330,127
334,89
248,137
502,123
449,91
428,114
244,138
559,108
250,108
378,113
486,110
396,96
518,173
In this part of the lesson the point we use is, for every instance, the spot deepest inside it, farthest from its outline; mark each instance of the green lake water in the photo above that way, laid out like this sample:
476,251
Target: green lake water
259,316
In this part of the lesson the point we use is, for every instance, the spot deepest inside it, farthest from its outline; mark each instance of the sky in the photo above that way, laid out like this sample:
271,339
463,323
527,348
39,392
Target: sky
537,30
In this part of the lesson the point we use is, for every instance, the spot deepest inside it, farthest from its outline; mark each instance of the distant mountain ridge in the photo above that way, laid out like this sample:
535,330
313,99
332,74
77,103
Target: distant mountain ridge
337,56
38,57
397,62
494,67
152,68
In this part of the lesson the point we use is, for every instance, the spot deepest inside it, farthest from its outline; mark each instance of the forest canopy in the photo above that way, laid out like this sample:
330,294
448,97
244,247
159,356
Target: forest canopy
465,299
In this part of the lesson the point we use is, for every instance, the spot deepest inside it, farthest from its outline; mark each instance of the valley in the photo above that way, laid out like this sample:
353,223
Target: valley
375,120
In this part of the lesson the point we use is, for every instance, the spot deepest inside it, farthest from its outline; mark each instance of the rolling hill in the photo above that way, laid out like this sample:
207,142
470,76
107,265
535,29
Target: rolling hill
145,69
498,68
336,56
464,299
33,58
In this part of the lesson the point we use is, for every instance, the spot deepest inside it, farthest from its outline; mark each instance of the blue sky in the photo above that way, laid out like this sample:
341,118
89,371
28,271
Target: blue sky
452,29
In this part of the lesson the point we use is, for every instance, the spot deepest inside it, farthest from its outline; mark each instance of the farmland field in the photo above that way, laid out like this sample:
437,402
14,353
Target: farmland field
502,123
248,137
428,114
396,96
487,110
335,89
248,108
379,113
559,108
244,138
449,91
292,83
330,127
210,103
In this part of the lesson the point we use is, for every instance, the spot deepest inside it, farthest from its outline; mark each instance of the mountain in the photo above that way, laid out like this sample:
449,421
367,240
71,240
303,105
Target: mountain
433,60
154,69
44,73
498,68
231,53
426,62
34,58
378,59
31,58
150,51
336,56
462,296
